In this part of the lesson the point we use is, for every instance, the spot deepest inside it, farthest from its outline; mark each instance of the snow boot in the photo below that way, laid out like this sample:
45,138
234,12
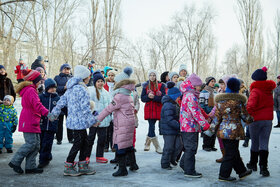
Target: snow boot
101,160
277,126
193,175
253,161
220,160
147,143
122,171
44,164
34,171
16,169
227,179
132,160
84,168
245,174
0,151
156,144
70,169
9,150
263,163
246,142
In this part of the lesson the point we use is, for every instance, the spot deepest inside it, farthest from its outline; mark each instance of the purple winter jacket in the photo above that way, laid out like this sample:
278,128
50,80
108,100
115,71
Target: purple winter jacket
32,108
123,108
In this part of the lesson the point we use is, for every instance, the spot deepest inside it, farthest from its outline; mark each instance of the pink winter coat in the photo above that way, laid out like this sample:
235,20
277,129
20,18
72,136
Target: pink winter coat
32,108
191,117
123,108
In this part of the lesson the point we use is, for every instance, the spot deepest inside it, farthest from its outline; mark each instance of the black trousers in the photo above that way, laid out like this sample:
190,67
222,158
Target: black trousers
20,80
109,136
59,133
101,133
209,142
46,143
232,159
81,145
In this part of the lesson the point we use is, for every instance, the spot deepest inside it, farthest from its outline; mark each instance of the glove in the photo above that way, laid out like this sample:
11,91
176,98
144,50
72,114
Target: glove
51,117
95,113
14,128
206,127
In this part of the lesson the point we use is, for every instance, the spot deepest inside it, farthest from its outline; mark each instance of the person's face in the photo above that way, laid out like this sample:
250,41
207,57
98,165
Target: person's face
99,84
21,62
111,77
52,90
183,73
7,102
167,78
2,71
152,77
42,73
86,80
197,88
216,88
223,86
212,83
175,78
278,80
66,71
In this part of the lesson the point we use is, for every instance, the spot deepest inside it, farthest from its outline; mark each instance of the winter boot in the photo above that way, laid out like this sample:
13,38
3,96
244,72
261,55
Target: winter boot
70,169
101,160
277,126
263,163
156,144
245,174
246,142
44,164
132,161
0,151
9,150
122,171
84,168
193,175
34,171
221,159
16,169
148,143
227,179
253,161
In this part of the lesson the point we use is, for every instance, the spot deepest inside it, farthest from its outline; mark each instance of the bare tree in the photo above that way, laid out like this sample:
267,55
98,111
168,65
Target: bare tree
277,41
14,1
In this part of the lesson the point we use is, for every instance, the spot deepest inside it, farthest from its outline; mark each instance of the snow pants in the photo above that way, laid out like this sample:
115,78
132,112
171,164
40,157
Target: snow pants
6,135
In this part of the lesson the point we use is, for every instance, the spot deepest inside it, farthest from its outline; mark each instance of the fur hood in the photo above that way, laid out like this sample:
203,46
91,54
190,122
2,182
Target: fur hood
230,96
123,83
23,84
266,86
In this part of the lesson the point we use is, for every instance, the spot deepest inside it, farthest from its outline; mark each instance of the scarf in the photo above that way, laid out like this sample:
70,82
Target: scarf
121,91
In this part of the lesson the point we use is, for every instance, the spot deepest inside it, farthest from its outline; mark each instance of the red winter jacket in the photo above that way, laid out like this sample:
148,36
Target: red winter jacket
18,70
152,107
260,103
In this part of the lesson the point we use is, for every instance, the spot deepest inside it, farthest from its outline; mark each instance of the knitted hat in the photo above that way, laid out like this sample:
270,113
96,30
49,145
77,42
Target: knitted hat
173,92
96,76
152,71
81,72
233,85
2,67
163,76
183,67
106,69
31,75
21,59
10,98
92,61
49,83
63,66
260,74
127,71
40,58
221,81
195,80
112,71
39,69
209,79
171,74
216,85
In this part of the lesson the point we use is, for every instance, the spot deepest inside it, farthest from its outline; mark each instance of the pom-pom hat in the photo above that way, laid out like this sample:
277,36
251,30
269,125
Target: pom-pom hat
260,74
31,75
233,85
127,71
195,80
81,72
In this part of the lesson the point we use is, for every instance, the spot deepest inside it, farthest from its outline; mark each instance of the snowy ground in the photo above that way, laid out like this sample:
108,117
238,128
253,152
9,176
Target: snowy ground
149,174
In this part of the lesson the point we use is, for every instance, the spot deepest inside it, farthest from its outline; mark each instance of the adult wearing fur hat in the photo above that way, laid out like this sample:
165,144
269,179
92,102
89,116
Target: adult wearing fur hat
151,95
260,107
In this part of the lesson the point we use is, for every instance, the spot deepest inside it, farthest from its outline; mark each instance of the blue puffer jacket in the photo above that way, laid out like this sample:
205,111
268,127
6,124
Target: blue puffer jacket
169,122
49,101
61,81
77,100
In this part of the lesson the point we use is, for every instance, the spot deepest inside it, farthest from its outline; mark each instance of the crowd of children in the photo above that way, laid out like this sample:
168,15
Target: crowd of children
107,104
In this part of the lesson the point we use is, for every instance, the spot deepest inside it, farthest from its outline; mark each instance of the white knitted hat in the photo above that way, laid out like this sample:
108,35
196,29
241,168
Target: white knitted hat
81,72
152,71
183,67
171,74
127,71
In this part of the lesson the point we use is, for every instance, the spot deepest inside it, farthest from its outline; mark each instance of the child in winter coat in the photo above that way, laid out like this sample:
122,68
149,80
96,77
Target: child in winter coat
18,70
230,110
170,126
101,99
80,117
29,123
173,77
192,121
260,107
124,121
151,95
61,81
49,99
6,85
41,87
206,100
8,123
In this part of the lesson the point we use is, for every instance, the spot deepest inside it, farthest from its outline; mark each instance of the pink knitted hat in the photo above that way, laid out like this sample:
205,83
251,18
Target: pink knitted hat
195,80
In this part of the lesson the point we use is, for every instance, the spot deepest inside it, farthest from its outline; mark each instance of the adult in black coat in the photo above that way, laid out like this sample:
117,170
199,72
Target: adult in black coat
6,85
38,63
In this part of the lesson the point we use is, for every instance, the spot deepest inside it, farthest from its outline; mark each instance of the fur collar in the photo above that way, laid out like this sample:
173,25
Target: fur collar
267,85
230,96
124,82
23,84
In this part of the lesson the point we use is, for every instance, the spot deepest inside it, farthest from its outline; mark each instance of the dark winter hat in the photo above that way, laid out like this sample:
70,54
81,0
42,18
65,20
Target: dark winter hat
233,85
124,75
40,58
2,67
260,74
173,92
96,76
31,75
49,83
221,81
63,66
278,77
163,76
208,80
92,61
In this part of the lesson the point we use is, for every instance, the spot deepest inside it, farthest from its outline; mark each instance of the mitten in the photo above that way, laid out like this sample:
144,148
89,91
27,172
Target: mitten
158,93
14,128
51,117
205,127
